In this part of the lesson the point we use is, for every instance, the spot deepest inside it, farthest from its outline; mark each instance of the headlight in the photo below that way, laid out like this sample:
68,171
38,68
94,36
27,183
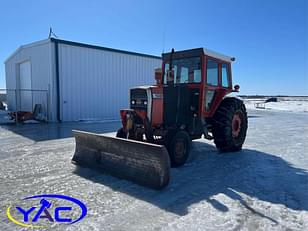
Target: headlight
133,102
145,102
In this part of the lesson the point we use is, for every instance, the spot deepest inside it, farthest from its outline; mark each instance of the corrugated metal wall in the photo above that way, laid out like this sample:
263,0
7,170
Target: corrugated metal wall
94,83
39,55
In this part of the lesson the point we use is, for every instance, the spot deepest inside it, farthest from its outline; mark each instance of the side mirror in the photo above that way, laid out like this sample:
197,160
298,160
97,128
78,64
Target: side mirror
158,76
236,88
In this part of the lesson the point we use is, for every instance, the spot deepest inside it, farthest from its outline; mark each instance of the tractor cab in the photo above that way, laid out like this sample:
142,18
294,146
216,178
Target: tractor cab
194,83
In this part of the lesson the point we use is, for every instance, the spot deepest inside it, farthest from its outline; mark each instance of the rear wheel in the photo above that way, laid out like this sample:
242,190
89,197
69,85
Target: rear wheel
230,126
178,148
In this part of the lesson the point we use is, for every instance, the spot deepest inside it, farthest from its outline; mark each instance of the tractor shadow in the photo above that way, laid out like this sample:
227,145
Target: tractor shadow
208,173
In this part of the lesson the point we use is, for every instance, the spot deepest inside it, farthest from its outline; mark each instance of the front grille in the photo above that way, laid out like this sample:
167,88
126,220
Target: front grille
139,96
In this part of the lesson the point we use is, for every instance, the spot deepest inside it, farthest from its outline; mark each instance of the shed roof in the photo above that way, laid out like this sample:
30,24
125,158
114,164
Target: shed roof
72,43
67,42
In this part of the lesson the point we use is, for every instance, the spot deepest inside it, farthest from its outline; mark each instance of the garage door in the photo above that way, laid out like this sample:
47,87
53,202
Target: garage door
25,86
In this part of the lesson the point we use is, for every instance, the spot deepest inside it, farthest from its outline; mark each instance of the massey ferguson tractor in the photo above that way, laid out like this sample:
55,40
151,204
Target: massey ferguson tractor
191,99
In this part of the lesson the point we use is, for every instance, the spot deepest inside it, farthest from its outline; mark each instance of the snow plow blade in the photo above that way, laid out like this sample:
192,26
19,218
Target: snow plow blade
142,163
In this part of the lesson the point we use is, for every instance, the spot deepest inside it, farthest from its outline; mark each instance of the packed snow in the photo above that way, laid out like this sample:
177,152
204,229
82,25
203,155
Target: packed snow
263,187
291,104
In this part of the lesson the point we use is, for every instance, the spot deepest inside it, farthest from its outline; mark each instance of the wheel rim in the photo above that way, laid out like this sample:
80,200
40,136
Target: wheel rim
180,149
236,124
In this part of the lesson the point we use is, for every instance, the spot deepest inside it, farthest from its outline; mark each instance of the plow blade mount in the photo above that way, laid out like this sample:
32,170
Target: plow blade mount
143,163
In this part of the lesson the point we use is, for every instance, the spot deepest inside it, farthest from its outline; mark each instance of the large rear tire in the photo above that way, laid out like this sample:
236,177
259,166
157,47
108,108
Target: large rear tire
230,125
178,148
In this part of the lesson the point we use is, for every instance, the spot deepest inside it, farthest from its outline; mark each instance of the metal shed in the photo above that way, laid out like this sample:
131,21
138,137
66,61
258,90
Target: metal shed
75,81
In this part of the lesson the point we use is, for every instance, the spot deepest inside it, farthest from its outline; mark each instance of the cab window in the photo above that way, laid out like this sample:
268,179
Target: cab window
166,72
212,72
224,75
209,99
186,70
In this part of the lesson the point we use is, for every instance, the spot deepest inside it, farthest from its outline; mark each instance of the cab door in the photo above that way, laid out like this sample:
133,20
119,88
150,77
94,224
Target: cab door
217,84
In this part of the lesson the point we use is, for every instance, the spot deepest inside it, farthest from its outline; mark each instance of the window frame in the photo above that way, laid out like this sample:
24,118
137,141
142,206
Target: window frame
218,72
165,82
228,75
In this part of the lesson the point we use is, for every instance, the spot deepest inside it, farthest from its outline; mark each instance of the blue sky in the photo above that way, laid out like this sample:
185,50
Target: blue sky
267,37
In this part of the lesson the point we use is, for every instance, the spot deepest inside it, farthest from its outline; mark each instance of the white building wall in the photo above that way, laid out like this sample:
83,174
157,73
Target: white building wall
94,84
39,55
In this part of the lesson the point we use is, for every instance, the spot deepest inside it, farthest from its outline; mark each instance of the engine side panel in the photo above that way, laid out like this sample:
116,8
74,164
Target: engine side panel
177,105
157,106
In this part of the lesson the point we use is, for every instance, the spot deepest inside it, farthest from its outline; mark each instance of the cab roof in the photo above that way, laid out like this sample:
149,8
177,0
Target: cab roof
198,52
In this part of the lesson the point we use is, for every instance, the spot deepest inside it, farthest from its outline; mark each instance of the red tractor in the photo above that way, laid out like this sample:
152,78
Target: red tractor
191,98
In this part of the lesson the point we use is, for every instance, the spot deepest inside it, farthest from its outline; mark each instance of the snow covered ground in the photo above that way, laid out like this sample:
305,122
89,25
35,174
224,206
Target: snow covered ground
292,104
263,187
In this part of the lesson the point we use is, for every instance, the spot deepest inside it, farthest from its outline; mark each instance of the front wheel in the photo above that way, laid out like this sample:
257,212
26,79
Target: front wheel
230,126
121,133
179,148
137,135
